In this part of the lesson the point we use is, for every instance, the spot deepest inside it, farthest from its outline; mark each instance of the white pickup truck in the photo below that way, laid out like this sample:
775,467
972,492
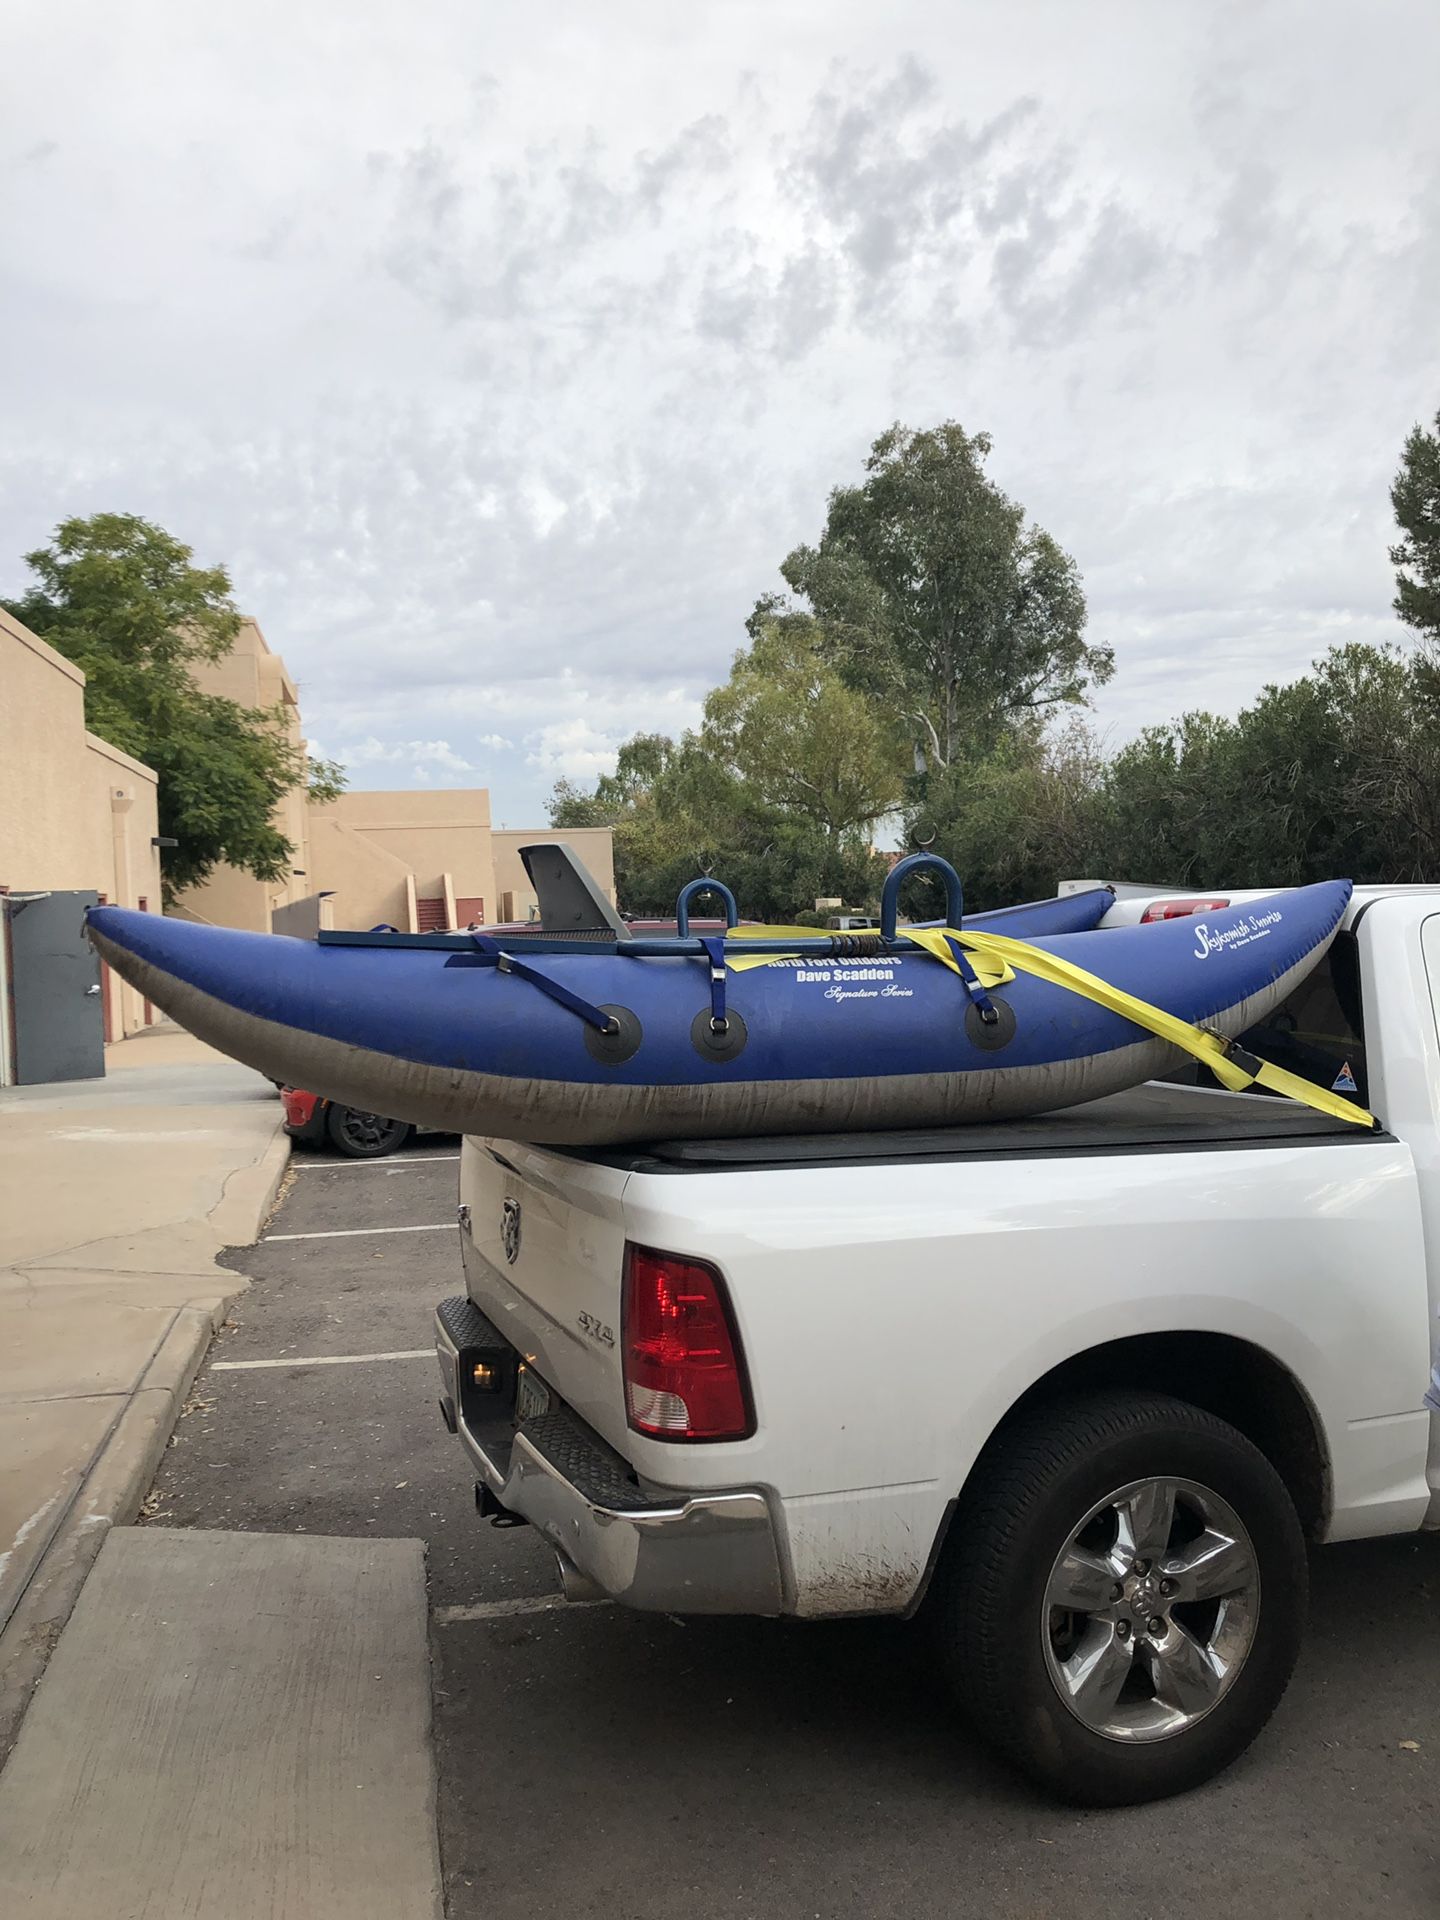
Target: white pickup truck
1085,1384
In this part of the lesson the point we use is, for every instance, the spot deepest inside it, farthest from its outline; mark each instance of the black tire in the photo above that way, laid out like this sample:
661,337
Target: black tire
999,1633
364,1136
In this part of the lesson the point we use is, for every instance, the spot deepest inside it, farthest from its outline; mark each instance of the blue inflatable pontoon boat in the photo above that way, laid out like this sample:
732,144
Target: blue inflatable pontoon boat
598,1038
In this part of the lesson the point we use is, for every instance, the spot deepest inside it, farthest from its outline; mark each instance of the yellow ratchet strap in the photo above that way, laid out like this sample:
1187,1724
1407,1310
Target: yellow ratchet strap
1232,1066
997,957
988,971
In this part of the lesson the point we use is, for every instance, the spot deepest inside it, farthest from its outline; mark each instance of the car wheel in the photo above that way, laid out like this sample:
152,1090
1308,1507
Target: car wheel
1122,1596
364,1136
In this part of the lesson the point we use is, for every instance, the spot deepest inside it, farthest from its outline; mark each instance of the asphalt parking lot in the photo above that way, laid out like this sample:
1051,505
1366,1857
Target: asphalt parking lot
599,1763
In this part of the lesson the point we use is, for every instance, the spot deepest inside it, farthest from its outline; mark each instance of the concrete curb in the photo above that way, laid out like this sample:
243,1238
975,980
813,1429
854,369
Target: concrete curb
244,1206
111,1494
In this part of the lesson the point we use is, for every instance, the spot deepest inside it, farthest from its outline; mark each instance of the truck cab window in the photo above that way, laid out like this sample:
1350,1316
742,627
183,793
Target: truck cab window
1317,1033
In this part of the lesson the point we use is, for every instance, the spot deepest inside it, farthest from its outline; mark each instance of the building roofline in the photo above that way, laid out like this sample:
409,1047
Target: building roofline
120,757
19,631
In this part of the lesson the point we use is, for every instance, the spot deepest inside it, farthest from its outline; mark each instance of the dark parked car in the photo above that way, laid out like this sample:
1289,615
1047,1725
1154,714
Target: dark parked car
364,1136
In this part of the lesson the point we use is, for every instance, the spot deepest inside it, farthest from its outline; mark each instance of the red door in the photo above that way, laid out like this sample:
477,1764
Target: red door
469,907
144,905
107,1016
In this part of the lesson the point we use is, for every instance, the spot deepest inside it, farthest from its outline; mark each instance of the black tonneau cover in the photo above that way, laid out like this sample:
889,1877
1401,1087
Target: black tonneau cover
1150,1119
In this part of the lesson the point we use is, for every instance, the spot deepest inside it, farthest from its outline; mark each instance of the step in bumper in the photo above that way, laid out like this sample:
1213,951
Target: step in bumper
646,1547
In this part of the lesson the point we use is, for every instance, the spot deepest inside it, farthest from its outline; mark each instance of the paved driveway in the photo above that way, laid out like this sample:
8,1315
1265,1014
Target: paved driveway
595,1762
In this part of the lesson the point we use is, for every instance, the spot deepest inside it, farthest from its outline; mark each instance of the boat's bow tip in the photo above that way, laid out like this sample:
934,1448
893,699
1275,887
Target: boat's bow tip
115,926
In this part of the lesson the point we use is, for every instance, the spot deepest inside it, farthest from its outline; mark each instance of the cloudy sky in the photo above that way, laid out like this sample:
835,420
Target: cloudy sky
502,351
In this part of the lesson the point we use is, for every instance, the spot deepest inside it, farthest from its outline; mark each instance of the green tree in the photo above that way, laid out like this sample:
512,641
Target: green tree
1015,820
639,764
679,810
1336,774
802,740
938,598
119,596
1339,773
1166,805
1415,497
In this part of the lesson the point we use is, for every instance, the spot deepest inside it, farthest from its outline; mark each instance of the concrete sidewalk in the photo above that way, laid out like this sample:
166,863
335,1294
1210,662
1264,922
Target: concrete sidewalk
236,1726
119,1194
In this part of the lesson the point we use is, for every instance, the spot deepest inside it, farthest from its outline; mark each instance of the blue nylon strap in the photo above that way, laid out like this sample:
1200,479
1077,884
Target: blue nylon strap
715,953
490,950
981,1000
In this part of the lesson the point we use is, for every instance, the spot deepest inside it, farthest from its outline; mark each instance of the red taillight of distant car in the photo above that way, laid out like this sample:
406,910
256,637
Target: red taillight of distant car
1179,909
299,1107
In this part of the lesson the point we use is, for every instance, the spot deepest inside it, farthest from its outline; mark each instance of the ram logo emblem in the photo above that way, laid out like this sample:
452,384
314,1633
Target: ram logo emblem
510,1230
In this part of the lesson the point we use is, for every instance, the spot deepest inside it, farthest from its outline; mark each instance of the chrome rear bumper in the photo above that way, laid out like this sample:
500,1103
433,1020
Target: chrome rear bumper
645,1547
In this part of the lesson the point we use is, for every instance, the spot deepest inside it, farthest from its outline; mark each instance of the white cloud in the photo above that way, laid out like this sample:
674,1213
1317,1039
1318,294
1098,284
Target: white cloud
503,370
429,755
572,749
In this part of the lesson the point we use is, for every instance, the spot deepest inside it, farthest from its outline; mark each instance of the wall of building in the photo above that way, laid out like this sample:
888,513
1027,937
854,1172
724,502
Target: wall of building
389,858
255,677
514,896
428,859
228,898
366,883
50,837
361,846
125,796
75,812
303,919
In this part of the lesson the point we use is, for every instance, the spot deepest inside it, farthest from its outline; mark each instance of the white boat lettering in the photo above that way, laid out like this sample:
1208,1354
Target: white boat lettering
845,975
1253,927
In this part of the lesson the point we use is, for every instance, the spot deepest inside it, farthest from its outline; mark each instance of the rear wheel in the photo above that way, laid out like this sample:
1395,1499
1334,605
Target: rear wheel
1123,1597
364,1136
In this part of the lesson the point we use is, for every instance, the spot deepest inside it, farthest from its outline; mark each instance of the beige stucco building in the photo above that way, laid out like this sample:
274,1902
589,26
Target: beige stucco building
254,677
423,860
414,860
75,812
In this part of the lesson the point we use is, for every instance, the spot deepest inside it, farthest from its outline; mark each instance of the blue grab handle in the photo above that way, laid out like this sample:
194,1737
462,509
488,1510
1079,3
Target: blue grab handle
692,892
900,873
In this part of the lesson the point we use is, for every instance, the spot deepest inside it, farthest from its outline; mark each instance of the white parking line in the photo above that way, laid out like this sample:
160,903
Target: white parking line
362,1166
322,1360
505,1609
351,1233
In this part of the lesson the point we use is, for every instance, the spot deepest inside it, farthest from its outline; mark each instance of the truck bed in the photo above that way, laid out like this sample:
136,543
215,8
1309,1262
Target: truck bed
1156,1118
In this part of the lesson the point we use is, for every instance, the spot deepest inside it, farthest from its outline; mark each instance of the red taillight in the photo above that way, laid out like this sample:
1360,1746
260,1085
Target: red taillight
298,1106
1178,909
683,1376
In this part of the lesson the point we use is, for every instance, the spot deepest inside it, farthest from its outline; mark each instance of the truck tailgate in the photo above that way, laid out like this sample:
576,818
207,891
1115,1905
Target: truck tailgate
543,1238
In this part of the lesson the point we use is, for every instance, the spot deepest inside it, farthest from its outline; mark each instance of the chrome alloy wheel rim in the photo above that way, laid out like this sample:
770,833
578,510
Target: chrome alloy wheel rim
1150,1610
